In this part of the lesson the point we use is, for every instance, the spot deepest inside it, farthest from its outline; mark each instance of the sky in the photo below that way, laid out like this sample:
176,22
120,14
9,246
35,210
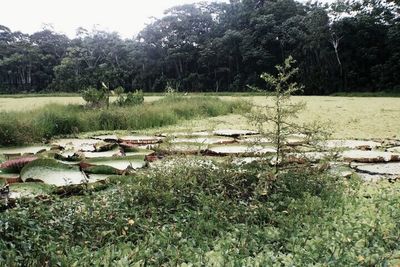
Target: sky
127,17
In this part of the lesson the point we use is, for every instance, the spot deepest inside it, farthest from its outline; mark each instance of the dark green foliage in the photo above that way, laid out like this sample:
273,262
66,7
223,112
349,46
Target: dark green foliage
342,47
55,120
203,216
95,97
133,99
14,131
18,128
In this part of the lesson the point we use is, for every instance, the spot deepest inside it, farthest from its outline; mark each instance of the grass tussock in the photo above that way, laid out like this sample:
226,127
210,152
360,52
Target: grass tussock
18,128
203,216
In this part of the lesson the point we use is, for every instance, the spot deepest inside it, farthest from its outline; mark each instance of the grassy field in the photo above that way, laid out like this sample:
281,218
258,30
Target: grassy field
349,117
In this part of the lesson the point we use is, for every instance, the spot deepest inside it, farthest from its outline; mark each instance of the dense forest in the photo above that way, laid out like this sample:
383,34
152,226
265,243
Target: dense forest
342,47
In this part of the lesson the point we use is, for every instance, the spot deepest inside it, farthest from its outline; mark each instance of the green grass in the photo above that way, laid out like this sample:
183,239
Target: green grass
368,94
18,128
194,214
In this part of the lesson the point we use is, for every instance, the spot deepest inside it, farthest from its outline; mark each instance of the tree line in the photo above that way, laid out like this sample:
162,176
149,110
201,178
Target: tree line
346,46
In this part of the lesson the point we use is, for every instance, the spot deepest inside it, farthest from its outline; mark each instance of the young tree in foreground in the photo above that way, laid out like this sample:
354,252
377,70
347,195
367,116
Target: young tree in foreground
277,118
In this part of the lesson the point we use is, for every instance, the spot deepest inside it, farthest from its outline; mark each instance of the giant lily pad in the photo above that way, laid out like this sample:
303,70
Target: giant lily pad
254,140
133,149
205,140
52,172
113,165
176,134
14,152
369,156
241,150
353,144
141,139
395,149
307,157
70,155
296,140
104,146
182,148
77,144
140,151
234,133
366,177
391,168
128,147
107,138
116,152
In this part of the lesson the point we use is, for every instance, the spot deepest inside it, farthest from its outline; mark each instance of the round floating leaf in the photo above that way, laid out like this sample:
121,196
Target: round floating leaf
234,133
14,152
115,165
241,150
205,140
52,172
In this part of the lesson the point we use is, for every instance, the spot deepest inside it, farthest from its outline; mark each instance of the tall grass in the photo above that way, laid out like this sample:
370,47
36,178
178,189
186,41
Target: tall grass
18,128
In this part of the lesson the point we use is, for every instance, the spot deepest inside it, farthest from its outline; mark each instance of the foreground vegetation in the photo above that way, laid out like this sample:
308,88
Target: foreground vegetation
17,128
193,213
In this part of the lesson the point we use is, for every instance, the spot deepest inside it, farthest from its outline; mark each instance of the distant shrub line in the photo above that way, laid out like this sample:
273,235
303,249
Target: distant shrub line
17,128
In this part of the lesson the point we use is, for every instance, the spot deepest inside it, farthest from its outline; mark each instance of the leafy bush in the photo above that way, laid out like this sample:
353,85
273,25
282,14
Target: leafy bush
119,91
133,99
95,97
199,213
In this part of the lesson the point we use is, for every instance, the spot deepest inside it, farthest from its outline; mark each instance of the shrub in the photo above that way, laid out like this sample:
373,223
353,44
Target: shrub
198,213
131,99
134,99
119,91
95,97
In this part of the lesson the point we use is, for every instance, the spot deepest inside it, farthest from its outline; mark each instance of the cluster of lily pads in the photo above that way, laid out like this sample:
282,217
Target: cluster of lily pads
75,161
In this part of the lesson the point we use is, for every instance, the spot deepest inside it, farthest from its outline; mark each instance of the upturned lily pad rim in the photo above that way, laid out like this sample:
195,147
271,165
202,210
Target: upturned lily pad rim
119,158
220,140
11,150
49,164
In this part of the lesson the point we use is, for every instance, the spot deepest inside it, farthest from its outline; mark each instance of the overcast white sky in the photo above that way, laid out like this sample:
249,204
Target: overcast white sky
124,16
